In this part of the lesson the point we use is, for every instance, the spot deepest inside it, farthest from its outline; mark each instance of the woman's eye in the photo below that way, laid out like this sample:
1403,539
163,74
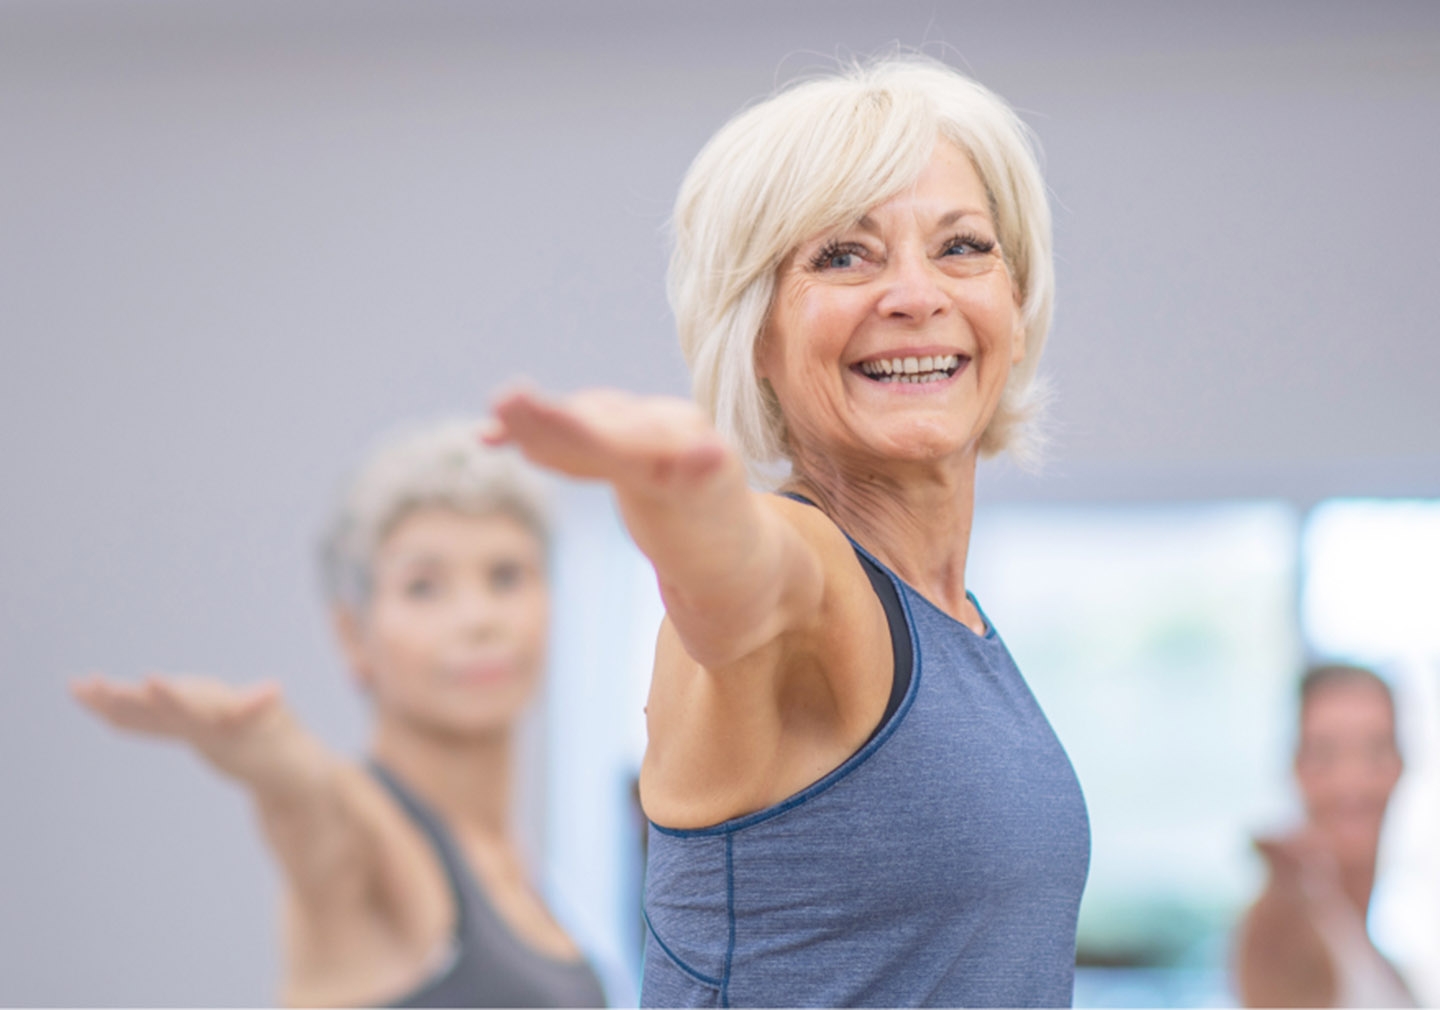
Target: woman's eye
967,245
837,257
421,589
506,576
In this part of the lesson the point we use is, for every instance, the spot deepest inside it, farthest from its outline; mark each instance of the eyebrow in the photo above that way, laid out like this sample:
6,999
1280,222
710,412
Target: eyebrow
867,223
438,559
416,559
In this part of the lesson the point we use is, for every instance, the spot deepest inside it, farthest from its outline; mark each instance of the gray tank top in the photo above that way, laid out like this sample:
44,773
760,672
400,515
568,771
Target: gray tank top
941,865
487,964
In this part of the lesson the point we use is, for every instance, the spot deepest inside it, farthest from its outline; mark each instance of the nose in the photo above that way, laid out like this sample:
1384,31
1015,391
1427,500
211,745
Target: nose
478,614
912,288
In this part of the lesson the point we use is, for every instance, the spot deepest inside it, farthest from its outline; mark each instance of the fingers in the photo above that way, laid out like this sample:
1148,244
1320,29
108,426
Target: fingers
605,434
172,706
566,438
201,704
125,706
495,431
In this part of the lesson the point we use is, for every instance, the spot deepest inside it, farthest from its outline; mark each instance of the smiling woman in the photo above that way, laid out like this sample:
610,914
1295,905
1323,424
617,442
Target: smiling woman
854,798
405,885
927,256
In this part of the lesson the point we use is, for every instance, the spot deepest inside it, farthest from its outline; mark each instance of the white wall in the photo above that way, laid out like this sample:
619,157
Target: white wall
238,239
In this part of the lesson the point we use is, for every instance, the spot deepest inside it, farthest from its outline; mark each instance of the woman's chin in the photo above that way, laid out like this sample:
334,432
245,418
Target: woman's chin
926,441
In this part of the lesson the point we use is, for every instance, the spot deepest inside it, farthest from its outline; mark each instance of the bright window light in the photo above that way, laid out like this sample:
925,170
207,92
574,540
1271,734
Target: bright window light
1162,642
1372,585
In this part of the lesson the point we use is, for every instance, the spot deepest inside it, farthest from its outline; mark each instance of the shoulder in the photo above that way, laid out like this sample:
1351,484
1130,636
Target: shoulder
360,842
729,741
375,903
842,578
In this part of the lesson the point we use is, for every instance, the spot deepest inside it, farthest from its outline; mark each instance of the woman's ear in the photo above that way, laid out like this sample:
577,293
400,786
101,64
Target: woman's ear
350,636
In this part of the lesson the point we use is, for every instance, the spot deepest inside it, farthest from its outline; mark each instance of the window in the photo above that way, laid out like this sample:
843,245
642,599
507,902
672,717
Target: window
1162,643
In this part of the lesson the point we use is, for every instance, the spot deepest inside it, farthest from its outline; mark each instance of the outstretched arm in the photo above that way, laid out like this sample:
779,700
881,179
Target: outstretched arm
734,572
303,792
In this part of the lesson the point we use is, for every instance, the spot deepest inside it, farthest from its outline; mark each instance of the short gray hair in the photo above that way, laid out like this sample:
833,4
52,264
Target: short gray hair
818,155
441,465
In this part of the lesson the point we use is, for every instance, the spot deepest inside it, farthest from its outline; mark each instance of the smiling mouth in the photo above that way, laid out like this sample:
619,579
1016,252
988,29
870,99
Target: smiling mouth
927,368
480,672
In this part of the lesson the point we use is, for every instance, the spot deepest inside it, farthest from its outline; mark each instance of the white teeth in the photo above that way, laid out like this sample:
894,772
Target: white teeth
927,368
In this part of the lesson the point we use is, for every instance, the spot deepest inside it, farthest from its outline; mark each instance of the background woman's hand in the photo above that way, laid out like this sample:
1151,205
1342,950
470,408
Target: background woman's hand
639,443
234,728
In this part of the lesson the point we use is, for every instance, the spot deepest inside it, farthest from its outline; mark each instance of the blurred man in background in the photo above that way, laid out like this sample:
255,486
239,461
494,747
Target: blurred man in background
1304,942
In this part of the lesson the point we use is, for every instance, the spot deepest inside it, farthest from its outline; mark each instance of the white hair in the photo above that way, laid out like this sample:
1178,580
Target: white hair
817,156
438,466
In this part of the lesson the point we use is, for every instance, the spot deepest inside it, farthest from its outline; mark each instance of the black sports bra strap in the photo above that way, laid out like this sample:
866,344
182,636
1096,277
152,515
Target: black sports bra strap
901,647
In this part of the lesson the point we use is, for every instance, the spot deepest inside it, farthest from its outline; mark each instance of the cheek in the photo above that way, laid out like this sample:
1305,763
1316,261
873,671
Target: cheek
995,318
529,616
1387,775
400,639
810,327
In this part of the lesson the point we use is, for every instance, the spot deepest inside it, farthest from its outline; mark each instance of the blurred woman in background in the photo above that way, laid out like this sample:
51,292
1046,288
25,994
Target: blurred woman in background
1304,942
404,882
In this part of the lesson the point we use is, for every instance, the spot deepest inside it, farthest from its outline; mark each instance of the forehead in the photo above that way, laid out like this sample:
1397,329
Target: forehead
1347,706
947,190
432,532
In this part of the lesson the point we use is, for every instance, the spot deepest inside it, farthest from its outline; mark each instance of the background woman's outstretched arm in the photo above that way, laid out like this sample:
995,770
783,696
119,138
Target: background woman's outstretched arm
304,793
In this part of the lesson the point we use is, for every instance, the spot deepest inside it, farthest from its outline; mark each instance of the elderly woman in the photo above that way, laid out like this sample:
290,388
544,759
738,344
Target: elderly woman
405,885
854,797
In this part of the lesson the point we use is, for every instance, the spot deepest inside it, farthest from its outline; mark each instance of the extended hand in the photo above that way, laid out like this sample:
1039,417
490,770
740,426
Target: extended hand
228,725
1304,863
650,443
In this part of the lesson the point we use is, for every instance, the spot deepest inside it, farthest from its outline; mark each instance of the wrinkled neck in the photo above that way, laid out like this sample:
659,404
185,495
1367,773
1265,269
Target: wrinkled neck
915,518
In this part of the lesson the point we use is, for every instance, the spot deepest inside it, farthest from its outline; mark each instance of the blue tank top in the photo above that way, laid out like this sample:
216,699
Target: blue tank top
940,865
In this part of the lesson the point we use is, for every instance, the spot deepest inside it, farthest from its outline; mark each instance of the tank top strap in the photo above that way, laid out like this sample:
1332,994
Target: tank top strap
486,964
457,871
887,587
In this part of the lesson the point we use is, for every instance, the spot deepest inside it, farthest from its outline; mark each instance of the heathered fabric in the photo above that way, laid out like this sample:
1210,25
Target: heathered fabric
941,865
488,965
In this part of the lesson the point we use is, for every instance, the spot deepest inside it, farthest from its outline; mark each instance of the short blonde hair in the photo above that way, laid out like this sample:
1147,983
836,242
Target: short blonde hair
441,465
817,156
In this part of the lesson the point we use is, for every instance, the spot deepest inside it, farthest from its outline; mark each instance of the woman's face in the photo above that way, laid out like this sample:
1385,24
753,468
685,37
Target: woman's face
894,337
454,636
